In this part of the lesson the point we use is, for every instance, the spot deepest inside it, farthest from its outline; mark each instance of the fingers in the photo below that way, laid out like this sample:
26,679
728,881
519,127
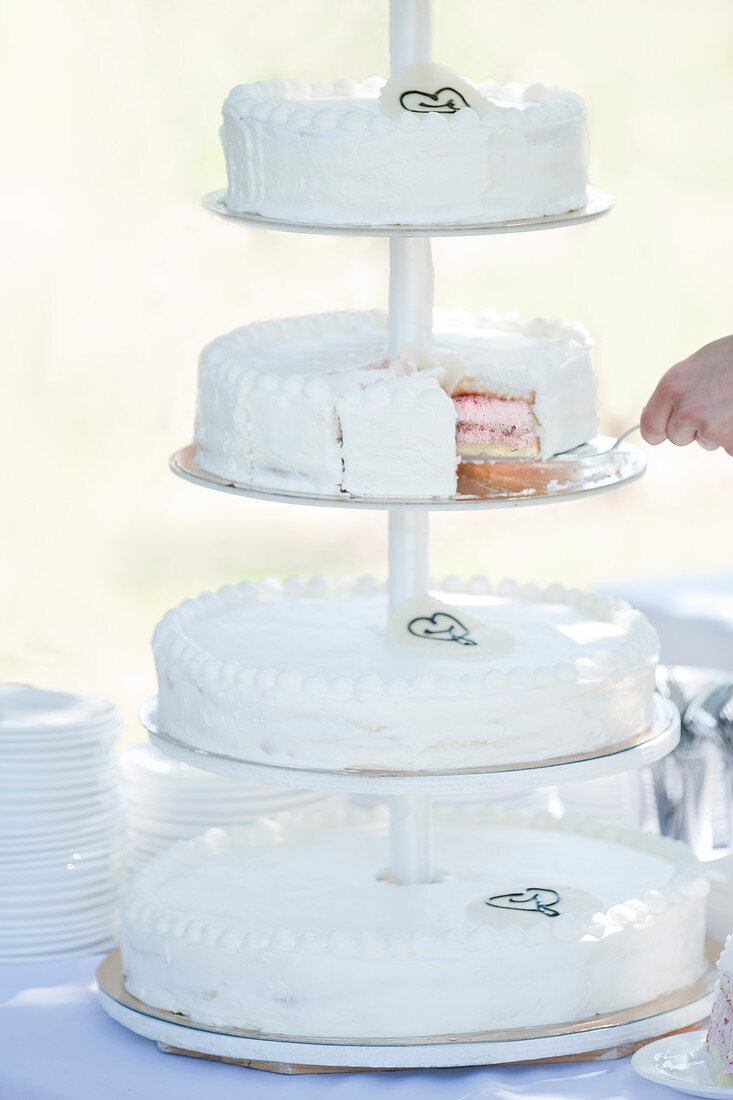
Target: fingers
682,427
654,418
706,444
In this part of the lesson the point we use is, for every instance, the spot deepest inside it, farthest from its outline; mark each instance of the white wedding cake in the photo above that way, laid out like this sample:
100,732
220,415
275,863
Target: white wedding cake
341,928
314,404
528,922
309,674
369,154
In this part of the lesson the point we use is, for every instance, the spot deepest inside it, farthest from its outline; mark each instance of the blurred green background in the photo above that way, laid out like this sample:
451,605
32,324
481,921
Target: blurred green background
115,278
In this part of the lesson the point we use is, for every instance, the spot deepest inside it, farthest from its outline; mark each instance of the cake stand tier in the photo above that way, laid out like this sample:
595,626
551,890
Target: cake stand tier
610,1035
598,203
499,483
661,739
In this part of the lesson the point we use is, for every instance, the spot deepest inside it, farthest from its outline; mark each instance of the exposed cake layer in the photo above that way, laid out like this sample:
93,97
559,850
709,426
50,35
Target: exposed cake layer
720,1036
495,426
720,1032
544,366
530,921
313,404
327,154
306,674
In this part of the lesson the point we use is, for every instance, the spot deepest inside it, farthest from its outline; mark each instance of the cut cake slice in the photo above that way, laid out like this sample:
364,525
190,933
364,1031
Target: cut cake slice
720,1032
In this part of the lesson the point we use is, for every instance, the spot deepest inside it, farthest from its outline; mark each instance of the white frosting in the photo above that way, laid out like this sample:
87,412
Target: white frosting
302,933
398,439
312,403
329,155
304,674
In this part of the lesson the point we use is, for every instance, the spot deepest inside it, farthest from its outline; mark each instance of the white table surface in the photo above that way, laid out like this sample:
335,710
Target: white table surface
56,1043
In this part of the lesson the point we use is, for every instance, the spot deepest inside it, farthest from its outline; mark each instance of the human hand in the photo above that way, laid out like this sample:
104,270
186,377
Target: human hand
694,400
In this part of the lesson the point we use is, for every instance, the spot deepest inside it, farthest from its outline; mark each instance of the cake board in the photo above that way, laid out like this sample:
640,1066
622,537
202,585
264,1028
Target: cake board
498,483
598,202
604,1037
640,751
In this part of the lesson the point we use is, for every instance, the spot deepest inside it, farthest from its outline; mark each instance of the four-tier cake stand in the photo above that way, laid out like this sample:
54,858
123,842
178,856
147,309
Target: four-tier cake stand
592,468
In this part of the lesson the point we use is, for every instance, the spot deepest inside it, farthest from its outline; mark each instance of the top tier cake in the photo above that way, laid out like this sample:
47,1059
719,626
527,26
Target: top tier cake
426,148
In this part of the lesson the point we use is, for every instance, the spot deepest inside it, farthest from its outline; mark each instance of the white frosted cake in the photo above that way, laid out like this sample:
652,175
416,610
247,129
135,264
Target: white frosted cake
339,155
529,922
309,674
313,404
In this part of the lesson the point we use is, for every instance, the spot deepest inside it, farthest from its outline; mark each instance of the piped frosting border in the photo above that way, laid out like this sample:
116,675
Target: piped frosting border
141,910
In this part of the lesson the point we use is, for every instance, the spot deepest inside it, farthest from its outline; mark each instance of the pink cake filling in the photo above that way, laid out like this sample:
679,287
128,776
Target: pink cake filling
720,1035
495,426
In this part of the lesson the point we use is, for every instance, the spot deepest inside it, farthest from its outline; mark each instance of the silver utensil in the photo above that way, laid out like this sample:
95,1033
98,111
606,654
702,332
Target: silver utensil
621,438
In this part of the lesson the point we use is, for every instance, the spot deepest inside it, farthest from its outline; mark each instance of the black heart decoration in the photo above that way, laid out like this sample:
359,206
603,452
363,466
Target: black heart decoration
441,627
446,101
535,899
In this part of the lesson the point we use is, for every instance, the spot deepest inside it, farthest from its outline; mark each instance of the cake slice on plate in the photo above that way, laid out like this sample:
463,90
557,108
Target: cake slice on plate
720,1033
521,389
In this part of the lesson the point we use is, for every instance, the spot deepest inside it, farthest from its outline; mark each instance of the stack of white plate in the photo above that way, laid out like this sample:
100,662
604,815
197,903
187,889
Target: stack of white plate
61,824
168,801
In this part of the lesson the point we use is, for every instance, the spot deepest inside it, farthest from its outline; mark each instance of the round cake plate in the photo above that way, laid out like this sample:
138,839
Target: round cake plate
681,1062
660,740
598,203
610,1035
503,483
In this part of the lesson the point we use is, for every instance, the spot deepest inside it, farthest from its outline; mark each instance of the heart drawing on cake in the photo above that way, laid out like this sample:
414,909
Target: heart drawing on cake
535,899
441,627
446,101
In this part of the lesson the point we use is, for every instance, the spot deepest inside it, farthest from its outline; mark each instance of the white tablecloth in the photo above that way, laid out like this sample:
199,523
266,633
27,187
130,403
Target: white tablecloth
693,615
56,1043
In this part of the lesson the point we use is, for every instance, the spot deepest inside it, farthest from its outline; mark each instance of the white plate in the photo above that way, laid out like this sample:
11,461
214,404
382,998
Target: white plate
43,759
40,828
90,926
56,931
58,863
87,944
174,827
73,886
34,914
166,809
681,1062
68,755
76,805
105,841
13,777
60,739
91,797
86,948
37,834
103,845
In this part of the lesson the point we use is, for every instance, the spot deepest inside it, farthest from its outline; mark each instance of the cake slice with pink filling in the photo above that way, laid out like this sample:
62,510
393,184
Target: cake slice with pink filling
495,426
520,389
720,1033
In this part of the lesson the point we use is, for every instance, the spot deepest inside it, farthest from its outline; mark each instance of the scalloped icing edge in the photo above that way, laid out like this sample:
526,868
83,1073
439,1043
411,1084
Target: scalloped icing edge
687,883
219,359
198,665
272,101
